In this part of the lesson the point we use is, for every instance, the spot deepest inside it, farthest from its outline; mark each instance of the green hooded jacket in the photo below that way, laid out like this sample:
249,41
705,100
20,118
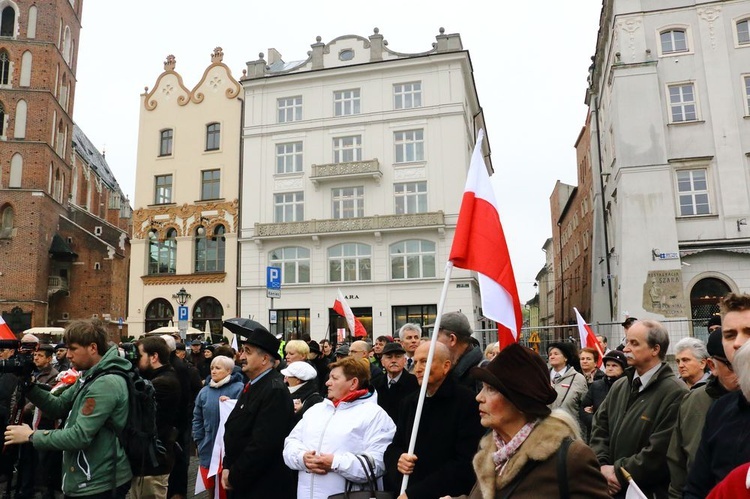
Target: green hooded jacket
93,458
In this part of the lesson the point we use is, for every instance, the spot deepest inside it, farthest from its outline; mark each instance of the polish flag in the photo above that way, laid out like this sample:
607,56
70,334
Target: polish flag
588,338
479,245
341,307
5,332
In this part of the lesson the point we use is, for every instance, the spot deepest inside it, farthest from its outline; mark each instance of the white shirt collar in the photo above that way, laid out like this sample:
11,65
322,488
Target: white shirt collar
646,377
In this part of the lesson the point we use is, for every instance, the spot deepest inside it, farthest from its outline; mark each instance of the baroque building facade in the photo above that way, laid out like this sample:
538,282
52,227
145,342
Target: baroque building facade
64,221
355,160
669,93
187,200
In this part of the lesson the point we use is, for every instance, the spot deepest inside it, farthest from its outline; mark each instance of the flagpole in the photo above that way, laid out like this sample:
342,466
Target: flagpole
426,375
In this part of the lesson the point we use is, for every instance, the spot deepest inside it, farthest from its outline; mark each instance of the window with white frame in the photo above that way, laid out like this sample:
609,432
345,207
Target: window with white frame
407,95
673,41
692,188
289,207
410,197
289,109
743,32
289,157
213,136
349,262
746,81
165,142
210,184
347,149
294,262
409,146
163,189
346,102
413,259
4,66
682,103
348,202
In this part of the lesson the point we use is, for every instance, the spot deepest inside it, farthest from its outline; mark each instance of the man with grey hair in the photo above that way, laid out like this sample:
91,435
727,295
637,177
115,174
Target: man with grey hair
409,335
692,357
632,427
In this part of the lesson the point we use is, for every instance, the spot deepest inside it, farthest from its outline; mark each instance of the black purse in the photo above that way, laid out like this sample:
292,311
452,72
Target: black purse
371,487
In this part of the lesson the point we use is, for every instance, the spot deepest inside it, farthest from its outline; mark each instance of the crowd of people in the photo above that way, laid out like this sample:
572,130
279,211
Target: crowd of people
312,419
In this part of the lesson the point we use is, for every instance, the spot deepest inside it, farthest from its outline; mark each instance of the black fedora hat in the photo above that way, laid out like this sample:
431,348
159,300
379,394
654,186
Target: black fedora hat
254,333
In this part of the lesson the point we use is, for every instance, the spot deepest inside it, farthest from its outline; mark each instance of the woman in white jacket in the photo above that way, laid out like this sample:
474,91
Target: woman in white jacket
324,444
566,378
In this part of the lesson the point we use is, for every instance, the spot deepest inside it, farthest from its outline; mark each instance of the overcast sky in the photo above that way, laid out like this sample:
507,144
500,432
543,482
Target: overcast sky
530,64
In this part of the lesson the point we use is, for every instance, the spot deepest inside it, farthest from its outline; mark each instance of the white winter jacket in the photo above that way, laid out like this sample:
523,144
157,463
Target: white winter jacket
357,427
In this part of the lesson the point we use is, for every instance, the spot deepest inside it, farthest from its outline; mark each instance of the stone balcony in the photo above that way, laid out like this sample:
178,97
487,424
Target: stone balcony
351,170
56,284
376,224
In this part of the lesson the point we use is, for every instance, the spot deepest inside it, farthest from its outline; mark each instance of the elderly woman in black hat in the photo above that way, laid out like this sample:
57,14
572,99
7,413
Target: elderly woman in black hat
531,451
565,377
615,364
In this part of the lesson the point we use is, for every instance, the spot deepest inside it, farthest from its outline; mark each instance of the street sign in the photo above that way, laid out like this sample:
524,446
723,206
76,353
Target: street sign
669,256
182,313
273,278
119,323
273,293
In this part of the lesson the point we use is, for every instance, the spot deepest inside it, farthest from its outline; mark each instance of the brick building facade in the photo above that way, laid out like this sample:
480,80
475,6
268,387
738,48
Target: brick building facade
64,222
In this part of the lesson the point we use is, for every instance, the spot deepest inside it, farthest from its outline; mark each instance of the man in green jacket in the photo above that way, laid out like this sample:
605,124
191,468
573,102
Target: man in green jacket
94,463
632,427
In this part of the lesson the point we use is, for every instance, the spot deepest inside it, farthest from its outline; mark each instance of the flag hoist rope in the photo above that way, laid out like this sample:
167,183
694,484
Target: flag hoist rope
426,375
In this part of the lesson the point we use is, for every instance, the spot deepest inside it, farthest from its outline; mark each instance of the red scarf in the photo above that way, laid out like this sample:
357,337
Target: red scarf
351,396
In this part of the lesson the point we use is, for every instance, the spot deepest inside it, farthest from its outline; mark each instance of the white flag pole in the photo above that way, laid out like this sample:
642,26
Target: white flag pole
426,375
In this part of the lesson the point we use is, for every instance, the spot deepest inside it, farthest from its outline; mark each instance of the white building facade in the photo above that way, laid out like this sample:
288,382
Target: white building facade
354,165
187,201
670,101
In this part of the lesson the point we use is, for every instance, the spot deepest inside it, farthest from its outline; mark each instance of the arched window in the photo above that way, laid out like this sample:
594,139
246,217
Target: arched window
162,254
31,29
208,309
704,302
8,22
63,94
213,136
57,193
6,222
673,41
294,262
19,129
4,67
349,262
16,171
209,249
413,259
159,313
165,142
26,60
66,45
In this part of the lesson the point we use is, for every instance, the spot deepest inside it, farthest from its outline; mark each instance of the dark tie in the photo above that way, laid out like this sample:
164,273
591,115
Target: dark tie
409,362
635,388
556,379
391,383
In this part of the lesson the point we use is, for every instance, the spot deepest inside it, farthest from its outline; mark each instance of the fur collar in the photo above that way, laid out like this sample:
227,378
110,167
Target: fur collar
542,443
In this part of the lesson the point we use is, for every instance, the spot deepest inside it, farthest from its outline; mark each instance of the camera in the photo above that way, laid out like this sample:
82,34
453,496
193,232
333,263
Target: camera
22,364
129,351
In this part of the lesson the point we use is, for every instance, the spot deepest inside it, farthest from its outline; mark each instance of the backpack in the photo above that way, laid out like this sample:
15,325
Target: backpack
139,437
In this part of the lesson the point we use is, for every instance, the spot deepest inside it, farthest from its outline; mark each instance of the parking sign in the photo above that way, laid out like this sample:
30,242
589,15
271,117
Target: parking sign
182,313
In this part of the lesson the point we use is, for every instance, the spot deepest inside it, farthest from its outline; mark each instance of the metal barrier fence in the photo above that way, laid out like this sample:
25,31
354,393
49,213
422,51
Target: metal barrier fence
540,337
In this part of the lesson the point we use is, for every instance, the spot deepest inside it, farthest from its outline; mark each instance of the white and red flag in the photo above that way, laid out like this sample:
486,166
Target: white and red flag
341,307
588,338
5,332
479,245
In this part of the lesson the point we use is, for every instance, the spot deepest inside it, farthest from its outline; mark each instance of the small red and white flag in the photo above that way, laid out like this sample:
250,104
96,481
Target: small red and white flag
588,338
341,307
5,332
479,245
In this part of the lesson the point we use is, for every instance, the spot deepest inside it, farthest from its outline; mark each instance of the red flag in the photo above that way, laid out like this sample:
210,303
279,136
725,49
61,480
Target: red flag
588,338
479,245
5,332
341,307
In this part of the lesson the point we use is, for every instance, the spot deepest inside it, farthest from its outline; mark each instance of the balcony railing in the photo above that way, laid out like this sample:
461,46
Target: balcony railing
352,169
56,284
377,223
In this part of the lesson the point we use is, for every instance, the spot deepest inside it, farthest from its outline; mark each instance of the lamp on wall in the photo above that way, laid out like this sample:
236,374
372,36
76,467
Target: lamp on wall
181,296
741,221
202,229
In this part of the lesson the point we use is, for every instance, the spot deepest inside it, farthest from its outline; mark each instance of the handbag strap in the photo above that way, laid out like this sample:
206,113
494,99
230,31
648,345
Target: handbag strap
562,468
369,472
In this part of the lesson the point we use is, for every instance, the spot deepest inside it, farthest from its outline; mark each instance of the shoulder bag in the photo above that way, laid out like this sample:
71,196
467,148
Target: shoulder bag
370,488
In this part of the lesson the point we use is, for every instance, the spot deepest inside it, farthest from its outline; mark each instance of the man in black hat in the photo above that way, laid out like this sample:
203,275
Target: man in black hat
397,383
261,420
195,356
626,325
61,361
692,414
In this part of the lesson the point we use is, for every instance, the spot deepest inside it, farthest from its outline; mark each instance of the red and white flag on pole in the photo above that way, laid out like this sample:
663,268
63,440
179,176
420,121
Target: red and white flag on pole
588,338
341,307
479,245
5,332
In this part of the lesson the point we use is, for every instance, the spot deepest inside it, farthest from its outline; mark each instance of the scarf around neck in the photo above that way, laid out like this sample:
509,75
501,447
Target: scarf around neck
220,383
351,396
506,451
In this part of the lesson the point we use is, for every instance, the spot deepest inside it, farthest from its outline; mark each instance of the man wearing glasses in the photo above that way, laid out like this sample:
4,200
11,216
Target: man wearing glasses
361,350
